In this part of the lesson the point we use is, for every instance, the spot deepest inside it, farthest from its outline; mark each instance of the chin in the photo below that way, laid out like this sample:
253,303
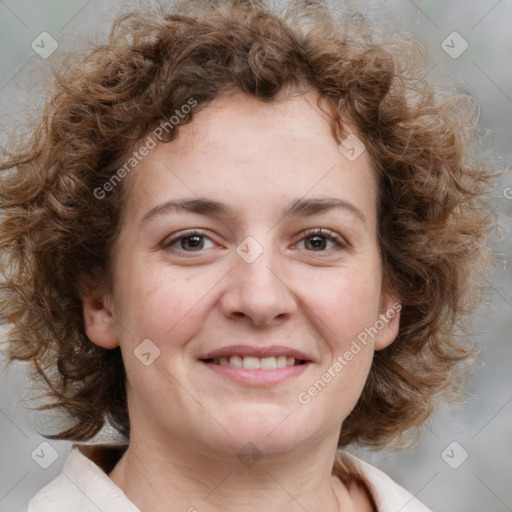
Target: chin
270,429
248,448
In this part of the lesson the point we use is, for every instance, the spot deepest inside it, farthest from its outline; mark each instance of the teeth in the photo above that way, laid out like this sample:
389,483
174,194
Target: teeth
268,363
256,363
236,361
252,363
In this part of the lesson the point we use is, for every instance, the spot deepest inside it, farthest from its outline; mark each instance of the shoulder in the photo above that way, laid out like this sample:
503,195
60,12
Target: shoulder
387,495
83,485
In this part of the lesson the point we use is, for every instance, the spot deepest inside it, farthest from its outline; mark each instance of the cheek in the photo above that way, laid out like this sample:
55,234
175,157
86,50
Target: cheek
344,310
345,304
161,303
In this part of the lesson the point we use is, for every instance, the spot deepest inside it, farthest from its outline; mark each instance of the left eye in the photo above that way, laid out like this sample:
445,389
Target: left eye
189,242
320,241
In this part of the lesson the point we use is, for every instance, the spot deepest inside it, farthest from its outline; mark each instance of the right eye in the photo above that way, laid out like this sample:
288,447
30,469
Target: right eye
188,241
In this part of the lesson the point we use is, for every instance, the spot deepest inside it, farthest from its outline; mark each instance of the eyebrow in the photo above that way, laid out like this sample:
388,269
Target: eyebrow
299,208
305,207
200,206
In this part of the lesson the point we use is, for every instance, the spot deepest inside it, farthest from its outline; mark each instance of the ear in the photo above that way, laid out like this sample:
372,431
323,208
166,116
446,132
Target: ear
389,315
100,325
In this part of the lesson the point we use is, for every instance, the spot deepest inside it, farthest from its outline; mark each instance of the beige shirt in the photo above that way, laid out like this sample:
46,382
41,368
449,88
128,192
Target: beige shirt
84,485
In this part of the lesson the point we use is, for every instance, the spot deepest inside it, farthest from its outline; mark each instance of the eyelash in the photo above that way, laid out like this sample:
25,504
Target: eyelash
187,234
309,233
329,235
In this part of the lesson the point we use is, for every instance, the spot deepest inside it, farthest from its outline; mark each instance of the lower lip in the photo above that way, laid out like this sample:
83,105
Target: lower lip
257,377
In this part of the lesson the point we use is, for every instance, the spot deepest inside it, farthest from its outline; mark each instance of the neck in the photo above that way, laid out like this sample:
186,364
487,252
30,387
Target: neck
157,478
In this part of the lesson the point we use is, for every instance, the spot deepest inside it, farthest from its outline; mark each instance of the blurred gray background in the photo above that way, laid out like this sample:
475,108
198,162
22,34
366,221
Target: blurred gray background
463,461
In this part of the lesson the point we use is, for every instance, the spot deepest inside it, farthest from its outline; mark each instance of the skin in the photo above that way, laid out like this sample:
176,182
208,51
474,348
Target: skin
188,422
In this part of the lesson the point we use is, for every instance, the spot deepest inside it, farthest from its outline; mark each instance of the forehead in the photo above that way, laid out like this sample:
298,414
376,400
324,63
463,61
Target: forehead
256,152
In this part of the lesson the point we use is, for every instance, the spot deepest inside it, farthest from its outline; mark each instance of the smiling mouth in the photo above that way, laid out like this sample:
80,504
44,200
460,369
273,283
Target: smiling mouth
256,363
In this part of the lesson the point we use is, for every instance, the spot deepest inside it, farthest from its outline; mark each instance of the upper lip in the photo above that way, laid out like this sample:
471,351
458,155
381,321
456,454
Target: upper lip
247,350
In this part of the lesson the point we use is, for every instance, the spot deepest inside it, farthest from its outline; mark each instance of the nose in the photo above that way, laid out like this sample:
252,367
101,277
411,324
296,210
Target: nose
257,293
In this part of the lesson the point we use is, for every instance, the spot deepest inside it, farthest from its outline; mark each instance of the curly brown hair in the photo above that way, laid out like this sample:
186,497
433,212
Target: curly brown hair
56,235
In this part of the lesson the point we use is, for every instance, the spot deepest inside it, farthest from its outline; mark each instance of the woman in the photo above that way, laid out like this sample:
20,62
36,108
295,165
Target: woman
246,240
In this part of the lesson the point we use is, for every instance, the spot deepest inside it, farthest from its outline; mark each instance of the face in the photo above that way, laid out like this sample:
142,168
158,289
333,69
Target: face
250,240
